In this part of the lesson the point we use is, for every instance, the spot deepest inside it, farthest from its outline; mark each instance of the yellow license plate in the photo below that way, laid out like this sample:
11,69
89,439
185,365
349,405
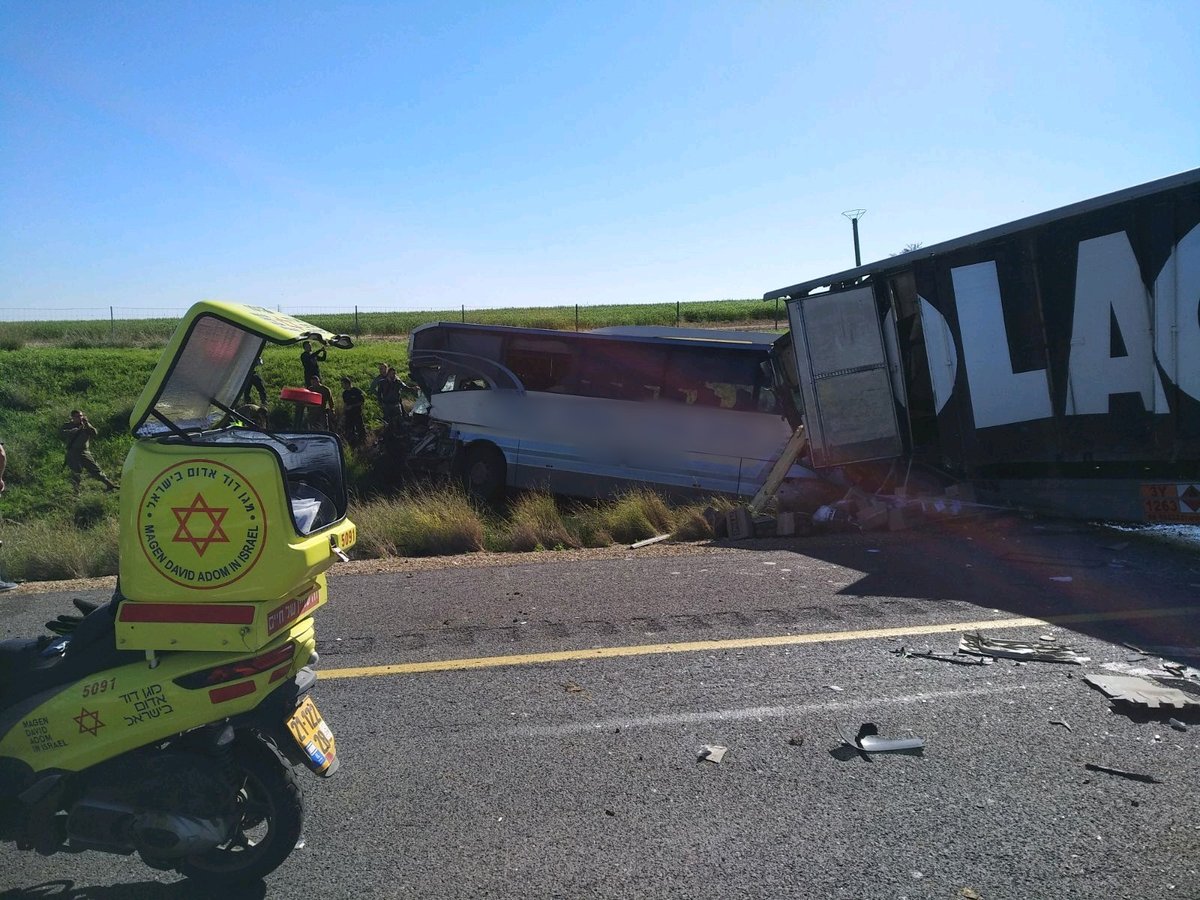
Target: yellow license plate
313,735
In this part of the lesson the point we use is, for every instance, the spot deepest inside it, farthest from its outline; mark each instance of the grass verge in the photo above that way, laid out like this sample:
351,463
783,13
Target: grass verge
425,521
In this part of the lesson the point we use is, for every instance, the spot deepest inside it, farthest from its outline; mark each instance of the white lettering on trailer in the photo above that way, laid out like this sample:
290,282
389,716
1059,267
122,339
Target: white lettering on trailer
1162,327
1108,288
940,352
999,396
1177,315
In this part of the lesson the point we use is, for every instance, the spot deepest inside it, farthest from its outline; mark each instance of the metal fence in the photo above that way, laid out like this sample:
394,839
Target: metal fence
350,317
133,313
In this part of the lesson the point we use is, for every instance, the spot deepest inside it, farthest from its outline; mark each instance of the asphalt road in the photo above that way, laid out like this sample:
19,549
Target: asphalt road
499,739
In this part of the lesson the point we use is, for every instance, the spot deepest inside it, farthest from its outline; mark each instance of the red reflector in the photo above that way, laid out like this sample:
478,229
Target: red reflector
231,692
188,613
243,668
279,673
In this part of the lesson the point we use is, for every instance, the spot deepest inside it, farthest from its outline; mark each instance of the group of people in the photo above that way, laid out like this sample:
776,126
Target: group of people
385,388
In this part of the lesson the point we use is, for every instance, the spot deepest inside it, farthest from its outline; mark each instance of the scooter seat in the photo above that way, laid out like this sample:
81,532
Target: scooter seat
29,666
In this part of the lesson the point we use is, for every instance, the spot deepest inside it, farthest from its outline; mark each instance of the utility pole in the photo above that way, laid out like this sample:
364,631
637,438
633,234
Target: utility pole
854,215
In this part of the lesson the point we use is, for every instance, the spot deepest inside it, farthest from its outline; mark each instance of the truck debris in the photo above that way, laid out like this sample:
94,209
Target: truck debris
1122,773
978,645
868,741
1141,691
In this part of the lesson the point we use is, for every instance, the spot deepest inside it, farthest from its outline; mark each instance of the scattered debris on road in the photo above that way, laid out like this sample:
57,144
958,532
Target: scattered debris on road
796,740
834,688
712,753
1140,691
978,645
1060,722
1177,725
648,541
868,741
572,688
955,658
1122,773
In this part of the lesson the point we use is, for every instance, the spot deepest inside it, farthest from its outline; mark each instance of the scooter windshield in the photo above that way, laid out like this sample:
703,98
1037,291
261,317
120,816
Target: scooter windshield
203,368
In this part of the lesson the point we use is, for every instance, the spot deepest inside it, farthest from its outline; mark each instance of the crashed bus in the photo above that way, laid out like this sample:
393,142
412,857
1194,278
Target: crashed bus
1053,363
589,414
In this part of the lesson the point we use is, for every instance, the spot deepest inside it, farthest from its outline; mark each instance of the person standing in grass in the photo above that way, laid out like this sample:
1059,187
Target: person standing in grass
254,382
310,361
78,434
4,585
320,417
378,380
389,398
352,412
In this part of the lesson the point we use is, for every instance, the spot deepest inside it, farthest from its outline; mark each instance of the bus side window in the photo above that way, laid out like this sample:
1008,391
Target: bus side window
713,378
612,371
541,365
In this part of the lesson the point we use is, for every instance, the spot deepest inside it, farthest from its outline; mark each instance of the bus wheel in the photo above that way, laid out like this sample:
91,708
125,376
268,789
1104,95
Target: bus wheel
485,472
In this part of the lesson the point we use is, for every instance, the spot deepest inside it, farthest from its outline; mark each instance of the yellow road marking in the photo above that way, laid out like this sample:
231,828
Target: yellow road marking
777,640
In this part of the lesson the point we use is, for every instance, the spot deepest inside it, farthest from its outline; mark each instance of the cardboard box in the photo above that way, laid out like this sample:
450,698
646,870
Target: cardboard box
738,524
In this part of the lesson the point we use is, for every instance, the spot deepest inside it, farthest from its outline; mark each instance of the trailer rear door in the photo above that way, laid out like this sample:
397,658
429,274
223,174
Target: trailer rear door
850,413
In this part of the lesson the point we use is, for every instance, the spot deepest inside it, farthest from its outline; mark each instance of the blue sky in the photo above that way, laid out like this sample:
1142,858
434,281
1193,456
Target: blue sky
396,155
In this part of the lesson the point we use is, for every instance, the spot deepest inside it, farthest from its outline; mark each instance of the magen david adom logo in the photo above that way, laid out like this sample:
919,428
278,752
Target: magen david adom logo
201,524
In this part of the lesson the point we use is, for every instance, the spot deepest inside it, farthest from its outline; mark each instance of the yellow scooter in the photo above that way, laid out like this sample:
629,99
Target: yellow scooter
170,721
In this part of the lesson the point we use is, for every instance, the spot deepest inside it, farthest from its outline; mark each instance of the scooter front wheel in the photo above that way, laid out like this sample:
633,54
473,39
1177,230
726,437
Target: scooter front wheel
270,814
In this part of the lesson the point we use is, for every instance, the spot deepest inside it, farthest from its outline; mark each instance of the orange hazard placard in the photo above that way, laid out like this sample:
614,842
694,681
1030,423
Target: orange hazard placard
1179,502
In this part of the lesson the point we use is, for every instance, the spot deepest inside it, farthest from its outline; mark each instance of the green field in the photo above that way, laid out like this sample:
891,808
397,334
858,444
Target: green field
40,386
98,333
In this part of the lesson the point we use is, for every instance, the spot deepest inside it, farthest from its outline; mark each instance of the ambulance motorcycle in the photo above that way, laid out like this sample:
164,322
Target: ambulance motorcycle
170,721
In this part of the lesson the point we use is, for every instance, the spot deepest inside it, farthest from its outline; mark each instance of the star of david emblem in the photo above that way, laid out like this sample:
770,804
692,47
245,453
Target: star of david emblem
210,517
89,722
1191,498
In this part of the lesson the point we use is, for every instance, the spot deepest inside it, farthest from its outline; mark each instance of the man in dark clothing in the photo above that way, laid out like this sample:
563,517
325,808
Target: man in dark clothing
309,360
352,412
389,398
79,433
254,381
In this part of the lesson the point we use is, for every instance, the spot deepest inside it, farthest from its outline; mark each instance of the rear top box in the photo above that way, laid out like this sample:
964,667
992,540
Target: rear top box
225,528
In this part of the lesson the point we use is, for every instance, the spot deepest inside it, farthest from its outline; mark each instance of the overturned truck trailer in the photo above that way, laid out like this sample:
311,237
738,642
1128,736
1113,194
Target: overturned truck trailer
1054,362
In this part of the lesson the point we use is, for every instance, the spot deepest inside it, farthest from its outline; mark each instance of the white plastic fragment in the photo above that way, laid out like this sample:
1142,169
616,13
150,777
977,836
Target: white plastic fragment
868,740
713,753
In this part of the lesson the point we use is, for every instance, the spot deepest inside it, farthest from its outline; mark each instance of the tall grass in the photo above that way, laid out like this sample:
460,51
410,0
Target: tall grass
535,523
424,521
50,550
